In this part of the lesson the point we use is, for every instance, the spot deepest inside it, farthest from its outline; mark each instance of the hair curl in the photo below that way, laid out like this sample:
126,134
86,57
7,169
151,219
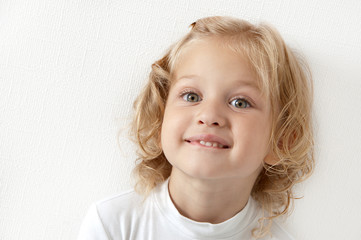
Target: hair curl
283,77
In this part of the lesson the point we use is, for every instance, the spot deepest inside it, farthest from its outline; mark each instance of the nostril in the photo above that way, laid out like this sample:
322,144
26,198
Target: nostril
204,122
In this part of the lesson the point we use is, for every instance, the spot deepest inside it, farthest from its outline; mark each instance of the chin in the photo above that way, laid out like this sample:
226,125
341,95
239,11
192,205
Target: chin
205,173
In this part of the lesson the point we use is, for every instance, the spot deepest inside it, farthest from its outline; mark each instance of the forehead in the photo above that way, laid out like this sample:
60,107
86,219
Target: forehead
213,59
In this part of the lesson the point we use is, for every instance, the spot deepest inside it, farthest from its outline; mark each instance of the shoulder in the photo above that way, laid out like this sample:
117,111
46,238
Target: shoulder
120,204
104,215
279,232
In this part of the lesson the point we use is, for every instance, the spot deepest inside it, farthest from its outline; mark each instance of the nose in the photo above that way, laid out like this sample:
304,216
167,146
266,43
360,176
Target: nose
211,114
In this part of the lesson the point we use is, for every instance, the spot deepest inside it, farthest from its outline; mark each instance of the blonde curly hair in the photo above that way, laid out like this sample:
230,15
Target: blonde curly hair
282,76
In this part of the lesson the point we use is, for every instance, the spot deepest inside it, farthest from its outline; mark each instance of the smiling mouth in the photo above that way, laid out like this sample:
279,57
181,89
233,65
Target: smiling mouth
208,144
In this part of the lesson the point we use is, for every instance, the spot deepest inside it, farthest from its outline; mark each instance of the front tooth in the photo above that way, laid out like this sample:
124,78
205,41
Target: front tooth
210,144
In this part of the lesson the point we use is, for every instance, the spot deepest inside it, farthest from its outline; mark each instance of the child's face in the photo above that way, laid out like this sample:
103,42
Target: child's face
216,122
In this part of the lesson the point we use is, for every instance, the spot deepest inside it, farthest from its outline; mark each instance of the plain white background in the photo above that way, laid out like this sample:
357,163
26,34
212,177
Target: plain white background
70,70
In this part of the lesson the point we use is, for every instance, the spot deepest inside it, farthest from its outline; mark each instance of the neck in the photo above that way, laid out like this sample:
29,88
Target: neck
204,200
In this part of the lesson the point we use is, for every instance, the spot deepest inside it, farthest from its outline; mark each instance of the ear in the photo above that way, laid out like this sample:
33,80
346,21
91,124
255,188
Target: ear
160,143
159,140
271,159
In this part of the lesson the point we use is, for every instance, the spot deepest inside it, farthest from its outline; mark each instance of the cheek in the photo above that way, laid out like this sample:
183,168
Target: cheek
163,133
171,128
176,119
252,136
170,137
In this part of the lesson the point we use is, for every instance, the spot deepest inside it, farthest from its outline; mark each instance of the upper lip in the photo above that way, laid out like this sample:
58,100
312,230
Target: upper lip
208,138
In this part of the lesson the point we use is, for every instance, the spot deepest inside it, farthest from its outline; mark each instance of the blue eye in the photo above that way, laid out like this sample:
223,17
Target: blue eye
240,103
191,97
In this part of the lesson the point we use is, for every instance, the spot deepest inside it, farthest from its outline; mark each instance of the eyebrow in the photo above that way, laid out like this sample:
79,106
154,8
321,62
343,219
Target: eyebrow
188,76
240,82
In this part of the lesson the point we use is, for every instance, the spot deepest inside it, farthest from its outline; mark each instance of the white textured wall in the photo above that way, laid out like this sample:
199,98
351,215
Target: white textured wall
69,71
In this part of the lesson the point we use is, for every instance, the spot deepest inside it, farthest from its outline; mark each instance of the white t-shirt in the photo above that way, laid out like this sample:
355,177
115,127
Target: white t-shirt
126,216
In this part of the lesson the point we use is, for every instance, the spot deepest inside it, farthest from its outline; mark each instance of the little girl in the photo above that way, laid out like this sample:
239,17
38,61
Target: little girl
224,133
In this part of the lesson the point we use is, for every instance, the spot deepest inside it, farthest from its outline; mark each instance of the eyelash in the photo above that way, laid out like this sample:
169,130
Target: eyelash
186,93
248,104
